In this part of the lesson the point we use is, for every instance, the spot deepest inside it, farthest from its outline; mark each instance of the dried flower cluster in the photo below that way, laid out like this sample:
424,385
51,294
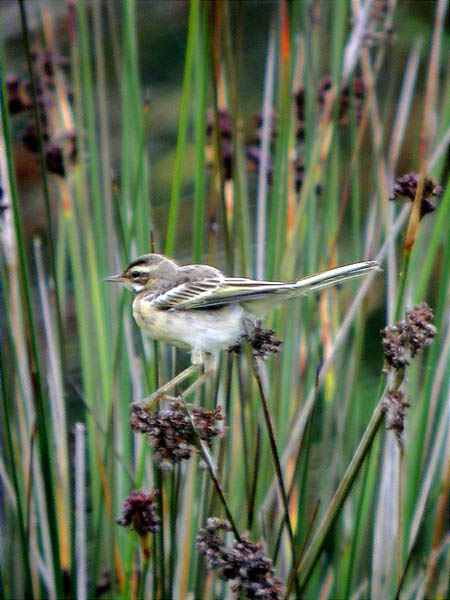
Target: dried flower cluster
171,433
262,341
59,150
139,513
244,562
406,186
252,147
351,97
225,140
403,341
394,406
265,342
18,96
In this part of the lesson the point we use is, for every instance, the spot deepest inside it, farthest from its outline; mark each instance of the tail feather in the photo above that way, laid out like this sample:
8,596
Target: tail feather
335,276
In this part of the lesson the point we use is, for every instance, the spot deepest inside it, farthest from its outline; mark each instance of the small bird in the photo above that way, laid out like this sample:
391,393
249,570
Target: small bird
198,308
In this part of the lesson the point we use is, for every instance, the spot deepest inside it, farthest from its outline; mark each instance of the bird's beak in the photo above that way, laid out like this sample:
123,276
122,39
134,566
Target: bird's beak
119,278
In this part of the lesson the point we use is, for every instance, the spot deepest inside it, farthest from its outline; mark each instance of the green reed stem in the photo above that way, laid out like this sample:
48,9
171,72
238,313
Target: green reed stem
201,84
180,154
39,396
313,552
276,459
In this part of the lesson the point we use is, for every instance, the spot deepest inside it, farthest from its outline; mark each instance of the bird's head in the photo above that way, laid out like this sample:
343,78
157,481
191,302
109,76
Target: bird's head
146,272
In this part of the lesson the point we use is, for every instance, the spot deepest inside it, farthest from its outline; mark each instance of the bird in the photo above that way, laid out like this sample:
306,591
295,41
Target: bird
199,309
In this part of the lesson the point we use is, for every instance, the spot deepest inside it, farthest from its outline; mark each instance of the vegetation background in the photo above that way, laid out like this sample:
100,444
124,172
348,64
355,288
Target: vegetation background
264,138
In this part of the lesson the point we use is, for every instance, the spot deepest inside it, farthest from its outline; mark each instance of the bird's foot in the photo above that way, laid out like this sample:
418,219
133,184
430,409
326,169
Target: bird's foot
141,412
149,403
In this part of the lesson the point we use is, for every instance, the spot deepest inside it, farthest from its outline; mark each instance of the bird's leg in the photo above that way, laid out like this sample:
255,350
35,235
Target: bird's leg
147,403
201,379
250,327
200,362
208,364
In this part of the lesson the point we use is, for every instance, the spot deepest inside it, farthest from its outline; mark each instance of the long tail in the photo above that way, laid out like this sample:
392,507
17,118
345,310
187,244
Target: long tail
334,276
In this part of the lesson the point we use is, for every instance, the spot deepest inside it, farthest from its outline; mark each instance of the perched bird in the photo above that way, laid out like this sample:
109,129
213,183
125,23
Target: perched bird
198,308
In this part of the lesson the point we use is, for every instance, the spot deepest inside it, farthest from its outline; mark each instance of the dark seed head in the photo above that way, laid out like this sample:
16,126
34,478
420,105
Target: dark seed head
139,513
406,186
403,341
54,160
244,562
171,433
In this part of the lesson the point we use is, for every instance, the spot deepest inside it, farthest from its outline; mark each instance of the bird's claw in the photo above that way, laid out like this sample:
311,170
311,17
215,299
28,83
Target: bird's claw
149,403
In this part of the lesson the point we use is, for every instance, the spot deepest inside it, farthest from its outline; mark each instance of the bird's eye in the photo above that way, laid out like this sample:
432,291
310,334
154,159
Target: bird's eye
135,274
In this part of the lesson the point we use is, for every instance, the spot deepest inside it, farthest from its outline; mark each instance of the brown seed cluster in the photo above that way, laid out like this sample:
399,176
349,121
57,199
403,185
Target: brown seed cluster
171,433
405,186
252,146
403,341
18,97
394,406
244,562
225,140
351,98
59,150
263,342
139,513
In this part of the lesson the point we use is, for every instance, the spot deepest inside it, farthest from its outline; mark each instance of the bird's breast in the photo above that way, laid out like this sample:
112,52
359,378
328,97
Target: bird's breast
206,330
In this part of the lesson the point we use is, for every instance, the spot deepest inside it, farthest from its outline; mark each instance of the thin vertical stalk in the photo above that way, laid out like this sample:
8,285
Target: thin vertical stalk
241,217
183,123
278,219
9,449
160,581
313,552
103,112
58,413
80,512
267,127
212,471
276,460
201,78
90,125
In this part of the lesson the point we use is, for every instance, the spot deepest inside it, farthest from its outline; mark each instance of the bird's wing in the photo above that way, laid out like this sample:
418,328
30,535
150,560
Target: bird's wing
207,289
216,291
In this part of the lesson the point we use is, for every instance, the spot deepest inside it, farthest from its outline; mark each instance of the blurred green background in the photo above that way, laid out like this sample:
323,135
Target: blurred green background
145,130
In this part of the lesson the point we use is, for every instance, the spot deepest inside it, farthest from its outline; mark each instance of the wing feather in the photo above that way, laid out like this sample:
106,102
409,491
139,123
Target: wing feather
216,291
207,287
